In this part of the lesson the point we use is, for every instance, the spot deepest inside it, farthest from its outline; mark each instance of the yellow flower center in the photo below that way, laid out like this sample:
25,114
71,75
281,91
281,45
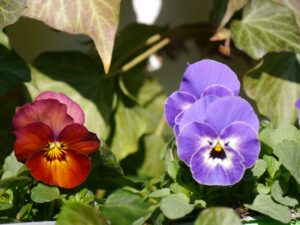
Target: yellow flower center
218,147
55,150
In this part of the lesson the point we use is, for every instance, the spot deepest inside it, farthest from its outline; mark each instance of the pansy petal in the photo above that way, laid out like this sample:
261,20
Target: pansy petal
48,111
297,104
32,138
176,103
204,73
210,171
73,109
76,137
67,172
218,90
242,138
226,110
196,112
194,136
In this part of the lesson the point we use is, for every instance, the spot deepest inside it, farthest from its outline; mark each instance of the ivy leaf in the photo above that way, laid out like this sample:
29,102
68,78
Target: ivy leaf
98,19
43,193
294,6
232,7
288,153
265,205
13,70
219,216
176,206
76,213
277,195
278,80
266,26
10,11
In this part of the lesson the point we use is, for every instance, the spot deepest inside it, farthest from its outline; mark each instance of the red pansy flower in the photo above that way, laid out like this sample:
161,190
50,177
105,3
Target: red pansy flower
52,140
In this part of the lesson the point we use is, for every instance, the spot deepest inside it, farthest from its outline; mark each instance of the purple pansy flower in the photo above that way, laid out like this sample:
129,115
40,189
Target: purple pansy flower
297,104
218,139
203,78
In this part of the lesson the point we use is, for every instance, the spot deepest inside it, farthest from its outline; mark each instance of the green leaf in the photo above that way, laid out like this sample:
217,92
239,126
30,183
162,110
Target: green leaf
13,182
266,26
232,7
173,170
11,166
263,189
6,199
160,193
153,165
4,40
259,168
84,196
98,19
74,74
294,6
43,193
265,205
10,11
277,194
13,70
278,80
288,153
284,133
176,206
123,207
218,216
76,213
272,165
130,126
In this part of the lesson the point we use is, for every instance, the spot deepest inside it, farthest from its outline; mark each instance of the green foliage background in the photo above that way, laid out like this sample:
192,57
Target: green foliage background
136,177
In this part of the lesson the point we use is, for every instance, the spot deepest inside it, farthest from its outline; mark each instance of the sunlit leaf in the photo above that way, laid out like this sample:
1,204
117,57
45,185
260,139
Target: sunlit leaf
278,81
259,168
266,26
294,5
288,153
11,166
272,165
218,216
76,213
98,19
10,11
265,205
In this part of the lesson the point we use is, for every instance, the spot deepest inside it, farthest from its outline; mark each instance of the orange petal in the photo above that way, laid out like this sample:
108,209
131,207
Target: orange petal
67,171
32,138
76,137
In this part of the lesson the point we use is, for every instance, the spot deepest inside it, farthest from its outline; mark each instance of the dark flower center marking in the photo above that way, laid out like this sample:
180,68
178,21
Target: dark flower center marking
217,152
55,151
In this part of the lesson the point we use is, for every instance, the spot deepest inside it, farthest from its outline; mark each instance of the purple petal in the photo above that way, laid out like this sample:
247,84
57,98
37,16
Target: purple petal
194,136
217,90
73,109
176,103
196,112
297,104
216,171
48,111
204,73
226,110
242,138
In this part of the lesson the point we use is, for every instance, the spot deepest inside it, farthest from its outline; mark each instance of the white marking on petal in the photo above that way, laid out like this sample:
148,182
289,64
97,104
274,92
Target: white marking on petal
213,162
